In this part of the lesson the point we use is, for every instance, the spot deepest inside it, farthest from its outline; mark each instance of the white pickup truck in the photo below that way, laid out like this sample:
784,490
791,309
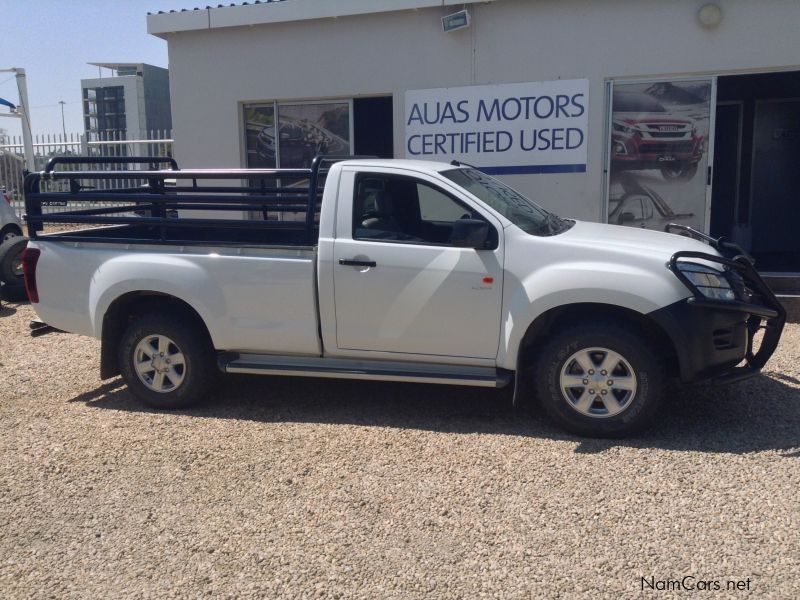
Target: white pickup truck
398,271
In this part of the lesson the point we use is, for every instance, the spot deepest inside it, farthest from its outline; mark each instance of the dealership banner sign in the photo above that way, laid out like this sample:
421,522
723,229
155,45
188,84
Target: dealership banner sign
516,128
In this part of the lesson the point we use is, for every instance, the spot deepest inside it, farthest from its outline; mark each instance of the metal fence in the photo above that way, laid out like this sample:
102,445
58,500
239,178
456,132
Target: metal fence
151,143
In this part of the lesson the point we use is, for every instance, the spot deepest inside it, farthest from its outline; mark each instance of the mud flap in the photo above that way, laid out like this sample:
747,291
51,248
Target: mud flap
523,388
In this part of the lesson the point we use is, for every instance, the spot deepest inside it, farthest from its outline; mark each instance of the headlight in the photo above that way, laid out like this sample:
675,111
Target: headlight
711,282
622,127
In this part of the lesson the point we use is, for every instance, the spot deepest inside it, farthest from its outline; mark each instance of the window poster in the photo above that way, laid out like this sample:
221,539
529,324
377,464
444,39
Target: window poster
659,153
306,130
298,134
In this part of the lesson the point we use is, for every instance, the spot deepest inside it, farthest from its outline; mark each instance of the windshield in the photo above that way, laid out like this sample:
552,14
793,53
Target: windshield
633,102
525,214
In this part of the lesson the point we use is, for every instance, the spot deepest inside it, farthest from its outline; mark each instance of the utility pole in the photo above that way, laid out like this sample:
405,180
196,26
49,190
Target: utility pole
63,126
23,113
27,137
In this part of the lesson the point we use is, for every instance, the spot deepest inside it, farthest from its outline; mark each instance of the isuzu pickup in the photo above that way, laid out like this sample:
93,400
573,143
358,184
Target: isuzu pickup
395,270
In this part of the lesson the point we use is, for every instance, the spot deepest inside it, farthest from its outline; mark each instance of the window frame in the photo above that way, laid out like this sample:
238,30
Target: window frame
493,240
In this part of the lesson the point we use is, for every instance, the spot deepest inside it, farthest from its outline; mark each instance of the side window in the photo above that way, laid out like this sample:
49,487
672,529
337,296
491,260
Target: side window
633,206
402,209
435,206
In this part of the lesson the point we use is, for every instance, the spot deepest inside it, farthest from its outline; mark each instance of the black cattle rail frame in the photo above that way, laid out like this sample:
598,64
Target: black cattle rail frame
156,203
756,300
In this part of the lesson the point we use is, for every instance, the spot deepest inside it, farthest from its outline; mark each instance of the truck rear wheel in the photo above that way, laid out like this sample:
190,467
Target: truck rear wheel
600,380
165,361
9,232
13,293
11,260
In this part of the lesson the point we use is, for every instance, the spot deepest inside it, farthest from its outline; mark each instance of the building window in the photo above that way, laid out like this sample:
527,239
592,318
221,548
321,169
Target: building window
290,135
259,131
104,109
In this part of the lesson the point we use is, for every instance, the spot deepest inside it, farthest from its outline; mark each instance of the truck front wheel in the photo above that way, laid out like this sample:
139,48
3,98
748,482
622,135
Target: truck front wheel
600,380
681,172
165,361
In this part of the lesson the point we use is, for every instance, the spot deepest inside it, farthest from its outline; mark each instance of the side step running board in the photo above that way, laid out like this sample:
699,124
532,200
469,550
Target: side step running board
341,368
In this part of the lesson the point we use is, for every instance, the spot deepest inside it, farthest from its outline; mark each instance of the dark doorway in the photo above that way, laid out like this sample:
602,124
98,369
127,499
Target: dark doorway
756,193
775,211
373,127
727,150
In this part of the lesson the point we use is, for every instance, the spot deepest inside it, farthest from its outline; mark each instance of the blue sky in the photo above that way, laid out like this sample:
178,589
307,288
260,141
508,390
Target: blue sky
54,39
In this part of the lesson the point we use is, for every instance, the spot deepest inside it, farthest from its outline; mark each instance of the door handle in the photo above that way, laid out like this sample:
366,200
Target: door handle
357,263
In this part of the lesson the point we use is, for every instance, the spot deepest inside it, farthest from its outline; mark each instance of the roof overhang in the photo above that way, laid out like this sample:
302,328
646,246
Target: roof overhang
116,65
265,13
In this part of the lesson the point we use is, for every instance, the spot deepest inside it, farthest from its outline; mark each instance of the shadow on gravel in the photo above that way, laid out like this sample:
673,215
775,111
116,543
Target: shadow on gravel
758,414
6,310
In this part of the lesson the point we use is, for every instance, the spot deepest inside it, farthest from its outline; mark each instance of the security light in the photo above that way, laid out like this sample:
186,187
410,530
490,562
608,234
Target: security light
709,16
456,21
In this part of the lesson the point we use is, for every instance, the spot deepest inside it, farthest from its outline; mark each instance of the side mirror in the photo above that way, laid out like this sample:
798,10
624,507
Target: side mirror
469,233
626,217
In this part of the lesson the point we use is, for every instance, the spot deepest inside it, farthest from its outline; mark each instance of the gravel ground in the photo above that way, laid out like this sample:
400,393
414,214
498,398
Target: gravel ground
303,488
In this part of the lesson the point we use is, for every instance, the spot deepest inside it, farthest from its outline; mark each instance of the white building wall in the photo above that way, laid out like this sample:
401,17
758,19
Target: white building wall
214,71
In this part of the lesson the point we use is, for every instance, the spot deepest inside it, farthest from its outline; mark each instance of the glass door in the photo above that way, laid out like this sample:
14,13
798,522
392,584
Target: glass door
660,147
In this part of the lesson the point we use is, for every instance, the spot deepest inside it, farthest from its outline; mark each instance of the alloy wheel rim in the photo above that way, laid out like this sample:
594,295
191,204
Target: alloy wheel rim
159,363
16,267
598,382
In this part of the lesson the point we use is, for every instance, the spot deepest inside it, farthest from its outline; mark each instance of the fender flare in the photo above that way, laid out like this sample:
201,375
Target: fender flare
168,276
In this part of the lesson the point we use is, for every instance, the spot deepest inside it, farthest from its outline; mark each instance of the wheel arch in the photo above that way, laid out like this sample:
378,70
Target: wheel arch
11,227
574,313
127,307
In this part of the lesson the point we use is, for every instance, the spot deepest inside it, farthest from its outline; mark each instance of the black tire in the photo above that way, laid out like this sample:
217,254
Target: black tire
11,260
639,407
14,293
199,368
9,232
682,172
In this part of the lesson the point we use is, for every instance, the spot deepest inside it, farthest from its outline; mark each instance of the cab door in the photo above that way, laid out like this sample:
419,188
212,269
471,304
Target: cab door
399,284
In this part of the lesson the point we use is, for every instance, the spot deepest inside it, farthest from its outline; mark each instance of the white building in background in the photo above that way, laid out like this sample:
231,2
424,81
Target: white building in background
638,113
130,102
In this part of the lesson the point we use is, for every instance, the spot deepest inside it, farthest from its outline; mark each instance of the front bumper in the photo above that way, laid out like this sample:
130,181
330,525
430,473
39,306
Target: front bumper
715,338
653,152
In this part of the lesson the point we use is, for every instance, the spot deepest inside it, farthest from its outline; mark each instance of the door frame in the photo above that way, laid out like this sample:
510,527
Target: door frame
739,104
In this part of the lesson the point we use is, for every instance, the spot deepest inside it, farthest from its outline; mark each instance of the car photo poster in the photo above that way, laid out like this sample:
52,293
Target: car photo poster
302,131
507,129
659,153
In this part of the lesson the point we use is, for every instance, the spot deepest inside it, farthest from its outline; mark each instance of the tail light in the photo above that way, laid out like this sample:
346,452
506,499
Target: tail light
29,259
